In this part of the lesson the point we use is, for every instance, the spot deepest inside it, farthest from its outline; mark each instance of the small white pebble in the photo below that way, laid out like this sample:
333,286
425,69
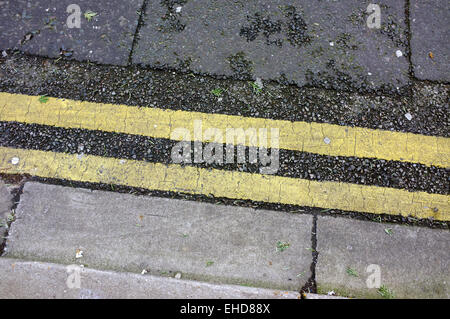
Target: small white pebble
179,9
369,73
398,53
219,99
15,160
332,44
4,54
408,116
178,275
327,140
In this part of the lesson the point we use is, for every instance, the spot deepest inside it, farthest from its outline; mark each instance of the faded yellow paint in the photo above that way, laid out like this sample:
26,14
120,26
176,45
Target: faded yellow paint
159,123
229,184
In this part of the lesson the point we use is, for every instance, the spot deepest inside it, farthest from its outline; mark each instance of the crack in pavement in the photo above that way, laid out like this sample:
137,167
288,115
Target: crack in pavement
17,193
311,285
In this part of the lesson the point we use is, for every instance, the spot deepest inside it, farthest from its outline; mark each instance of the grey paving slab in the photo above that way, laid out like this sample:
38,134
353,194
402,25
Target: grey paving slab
414,262
40,27
163,236
22,279
430,34
303,41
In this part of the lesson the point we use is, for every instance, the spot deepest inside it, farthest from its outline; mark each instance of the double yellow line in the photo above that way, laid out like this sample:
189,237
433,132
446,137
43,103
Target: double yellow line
295,136
299,136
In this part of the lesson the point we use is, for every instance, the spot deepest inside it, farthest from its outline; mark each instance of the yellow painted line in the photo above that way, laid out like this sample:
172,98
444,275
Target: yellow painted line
159,123
229,184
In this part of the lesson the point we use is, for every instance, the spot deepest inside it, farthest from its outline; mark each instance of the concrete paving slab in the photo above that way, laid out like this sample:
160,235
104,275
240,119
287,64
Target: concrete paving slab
303,41
41,27
163,236
32,280
414,262
430,46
